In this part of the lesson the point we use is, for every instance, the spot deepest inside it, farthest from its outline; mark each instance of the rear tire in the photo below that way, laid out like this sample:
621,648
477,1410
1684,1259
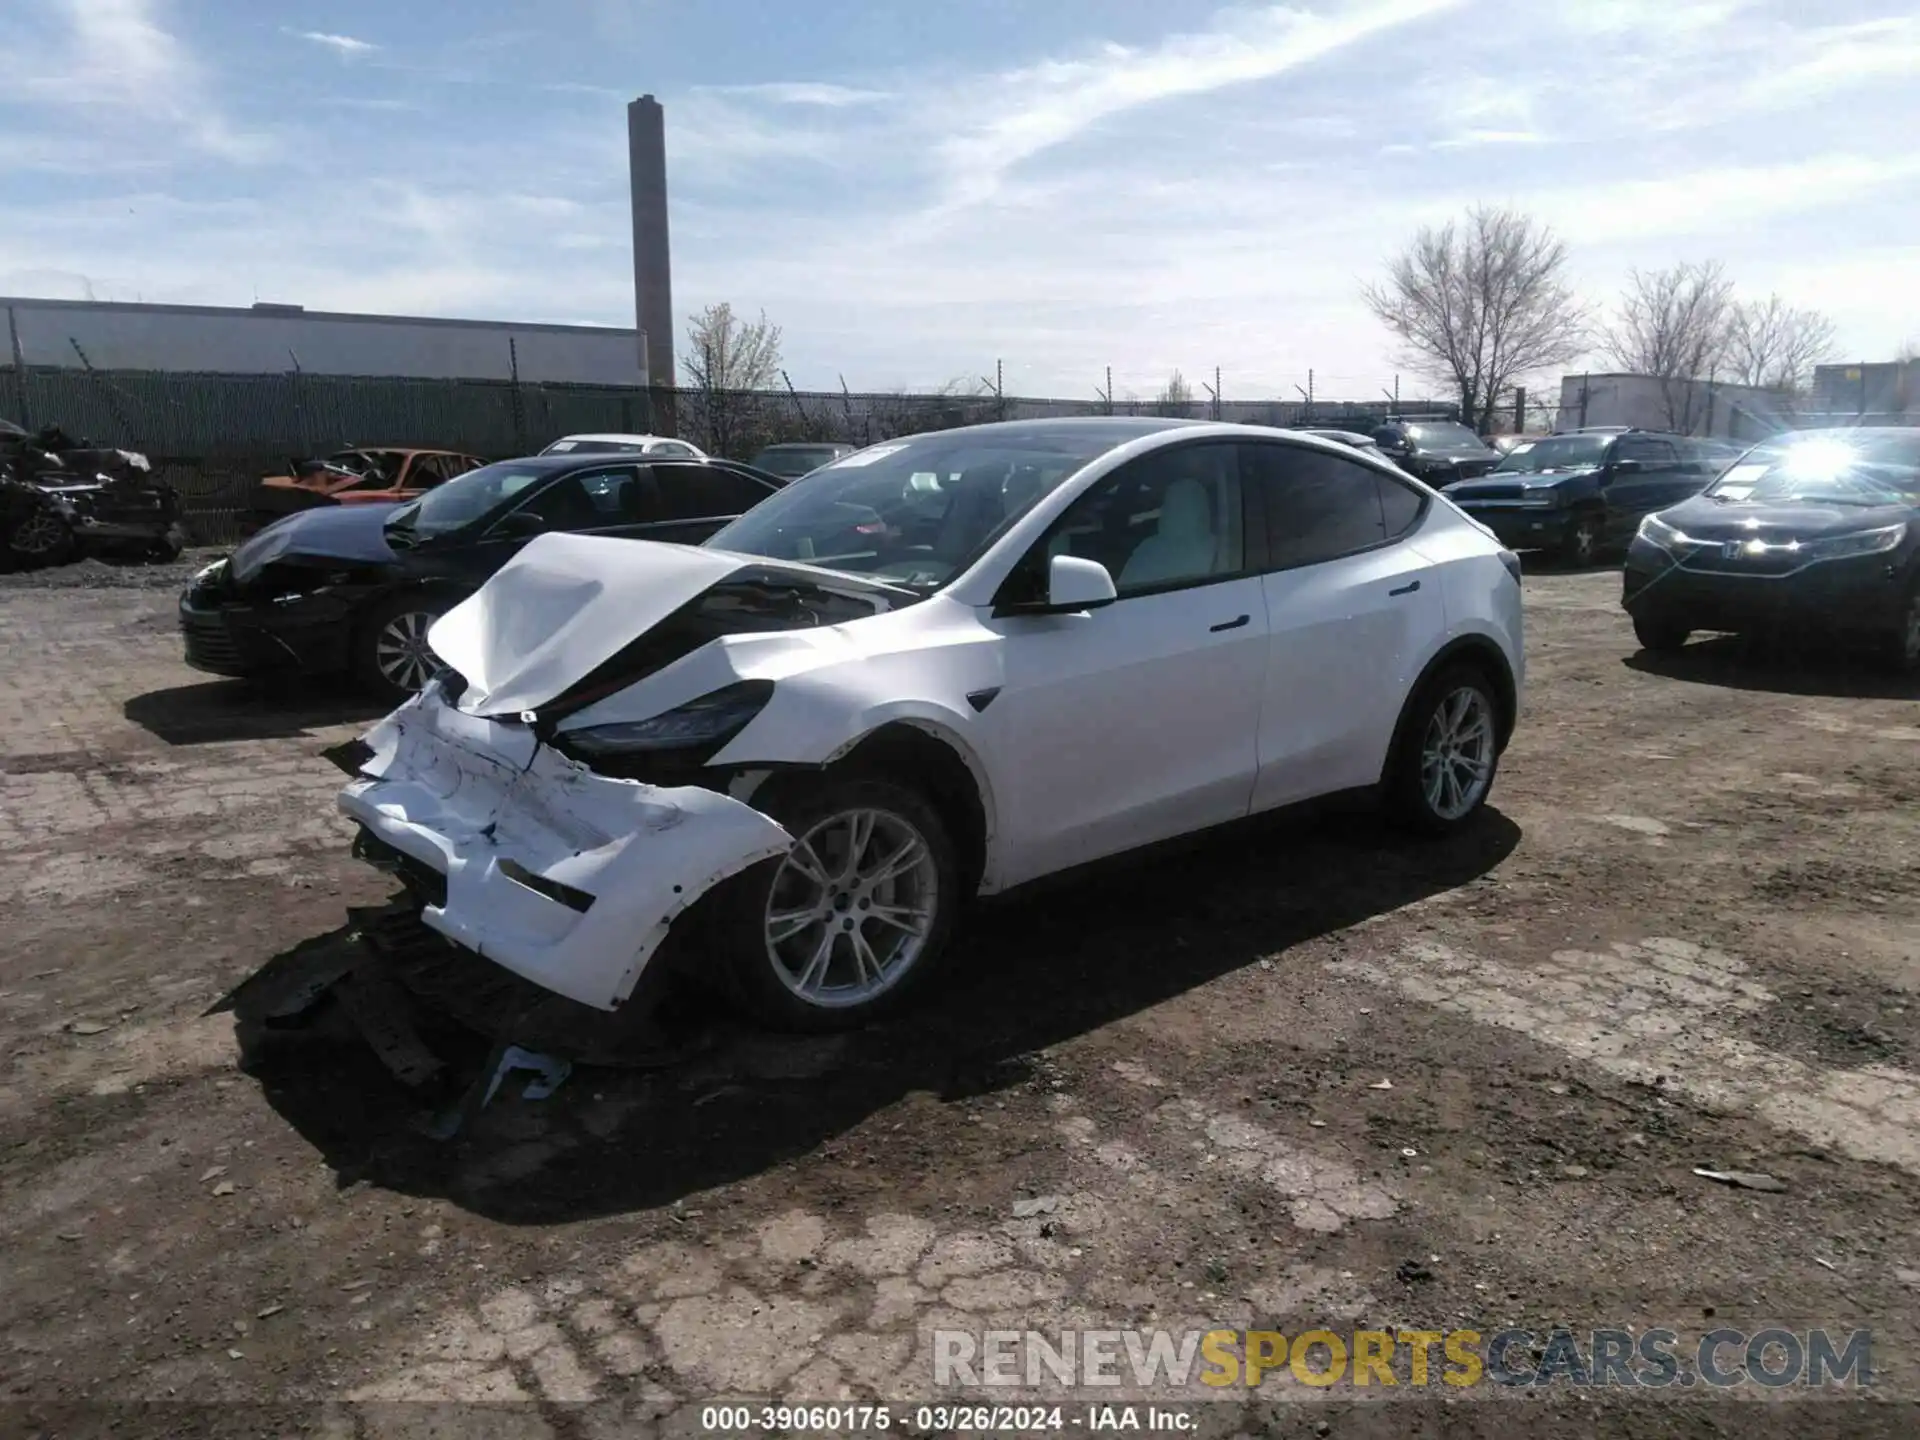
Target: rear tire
1443,767
1660,637
390,654
853,921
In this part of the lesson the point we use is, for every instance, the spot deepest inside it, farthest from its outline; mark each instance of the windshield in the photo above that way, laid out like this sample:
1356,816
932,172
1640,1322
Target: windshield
1557,452
1832,467
915,512
1436,436
465,498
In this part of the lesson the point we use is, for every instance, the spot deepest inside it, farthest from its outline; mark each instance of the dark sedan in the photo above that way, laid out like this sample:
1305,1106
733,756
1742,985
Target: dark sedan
1814,532
354,589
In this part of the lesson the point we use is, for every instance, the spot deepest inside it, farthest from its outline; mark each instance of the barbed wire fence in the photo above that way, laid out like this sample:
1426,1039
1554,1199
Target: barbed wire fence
213,436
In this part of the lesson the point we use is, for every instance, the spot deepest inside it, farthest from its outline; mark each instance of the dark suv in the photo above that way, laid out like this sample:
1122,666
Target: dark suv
1582,492
1438,451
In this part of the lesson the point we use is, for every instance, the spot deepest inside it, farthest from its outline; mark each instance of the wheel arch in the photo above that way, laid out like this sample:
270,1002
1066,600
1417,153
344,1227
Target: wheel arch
937,762
1472,649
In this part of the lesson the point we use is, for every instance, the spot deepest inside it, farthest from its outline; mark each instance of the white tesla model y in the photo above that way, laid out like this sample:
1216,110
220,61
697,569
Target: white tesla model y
937,668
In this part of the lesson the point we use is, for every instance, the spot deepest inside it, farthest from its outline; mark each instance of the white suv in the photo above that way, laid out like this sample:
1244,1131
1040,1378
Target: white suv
936,668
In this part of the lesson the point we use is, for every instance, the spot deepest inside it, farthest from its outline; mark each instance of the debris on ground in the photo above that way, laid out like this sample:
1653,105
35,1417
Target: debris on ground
87,1027
550,1073
1742,1179
1038,1205
225,1187
1381,1085
1413,1272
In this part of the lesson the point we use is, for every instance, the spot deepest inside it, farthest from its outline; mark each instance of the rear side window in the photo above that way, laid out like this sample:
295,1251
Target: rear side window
1320,507
1400,506
705,492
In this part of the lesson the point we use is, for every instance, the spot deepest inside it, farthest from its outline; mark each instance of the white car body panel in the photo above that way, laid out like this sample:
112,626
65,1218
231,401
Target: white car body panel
1154,771
1087,734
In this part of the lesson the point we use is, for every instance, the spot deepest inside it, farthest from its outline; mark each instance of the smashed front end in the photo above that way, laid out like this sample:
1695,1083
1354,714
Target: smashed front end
530,860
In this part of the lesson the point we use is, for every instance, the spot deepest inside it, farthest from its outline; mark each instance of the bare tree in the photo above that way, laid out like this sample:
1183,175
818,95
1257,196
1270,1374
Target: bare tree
728,353
1775,346
1675,326
1175,397
726,358
1481,304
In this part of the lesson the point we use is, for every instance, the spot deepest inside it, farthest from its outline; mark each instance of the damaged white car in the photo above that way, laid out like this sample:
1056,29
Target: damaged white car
935,669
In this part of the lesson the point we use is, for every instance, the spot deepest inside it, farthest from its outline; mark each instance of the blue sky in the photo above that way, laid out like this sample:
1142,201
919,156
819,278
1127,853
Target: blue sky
915,189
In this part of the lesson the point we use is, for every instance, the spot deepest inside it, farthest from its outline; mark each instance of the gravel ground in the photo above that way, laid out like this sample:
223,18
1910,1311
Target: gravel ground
1297,1077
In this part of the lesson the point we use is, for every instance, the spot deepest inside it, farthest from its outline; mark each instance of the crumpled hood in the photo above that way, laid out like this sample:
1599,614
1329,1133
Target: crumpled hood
561,607
335,532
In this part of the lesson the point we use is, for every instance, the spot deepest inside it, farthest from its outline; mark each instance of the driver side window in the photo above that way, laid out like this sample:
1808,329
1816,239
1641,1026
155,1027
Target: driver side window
1163,522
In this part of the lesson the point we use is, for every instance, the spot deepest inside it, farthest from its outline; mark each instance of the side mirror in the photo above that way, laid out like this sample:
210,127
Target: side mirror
1077,584
1628,467
520,525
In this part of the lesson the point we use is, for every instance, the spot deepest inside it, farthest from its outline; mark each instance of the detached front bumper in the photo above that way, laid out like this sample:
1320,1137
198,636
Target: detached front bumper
566,878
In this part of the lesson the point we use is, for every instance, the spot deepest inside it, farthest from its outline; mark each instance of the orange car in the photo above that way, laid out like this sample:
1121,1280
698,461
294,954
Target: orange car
366,475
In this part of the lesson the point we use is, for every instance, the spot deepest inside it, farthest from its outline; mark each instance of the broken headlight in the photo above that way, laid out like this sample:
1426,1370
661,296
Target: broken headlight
704,724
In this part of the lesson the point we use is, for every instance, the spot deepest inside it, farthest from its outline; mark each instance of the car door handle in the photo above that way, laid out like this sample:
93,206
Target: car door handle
1407,589
1229,624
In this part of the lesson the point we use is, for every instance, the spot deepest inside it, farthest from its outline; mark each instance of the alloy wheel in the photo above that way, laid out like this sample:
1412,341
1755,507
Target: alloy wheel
1457,753
851,908
401,652
41,533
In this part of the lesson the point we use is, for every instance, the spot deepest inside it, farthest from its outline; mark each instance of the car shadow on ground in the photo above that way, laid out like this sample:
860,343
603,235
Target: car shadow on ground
1029,973
1738,663
215,711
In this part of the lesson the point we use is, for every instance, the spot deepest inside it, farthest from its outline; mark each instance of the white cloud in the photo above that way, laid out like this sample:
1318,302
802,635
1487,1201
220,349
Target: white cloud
1047,105
345,46
117,73
804,92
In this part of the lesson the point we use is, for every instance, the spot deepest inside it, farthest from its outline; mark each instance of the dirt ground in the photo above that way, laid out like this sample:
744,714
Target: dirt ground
1687,935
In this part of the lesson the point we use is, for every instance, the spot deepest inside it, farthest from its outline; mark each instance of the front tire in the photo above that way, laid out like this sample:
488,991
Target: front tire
1449,752
1582,545
42,538
391,656
853,920
1661,637
1900,651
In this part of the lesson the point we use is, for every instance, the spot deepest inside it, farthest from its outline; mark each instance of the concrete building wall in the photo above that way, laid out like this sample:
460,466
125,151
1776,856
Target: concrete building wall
1888,388
1738,412
273,339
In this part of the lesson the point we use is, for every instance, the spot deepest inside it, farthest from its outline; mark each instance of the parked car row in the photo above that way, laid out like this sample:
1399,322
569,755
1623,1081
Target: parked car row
800,740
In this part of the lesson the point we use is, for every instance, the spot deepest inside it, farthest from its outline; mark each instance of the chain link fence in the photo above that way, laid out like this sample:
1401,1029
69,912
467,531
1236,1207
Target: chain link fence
213,436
